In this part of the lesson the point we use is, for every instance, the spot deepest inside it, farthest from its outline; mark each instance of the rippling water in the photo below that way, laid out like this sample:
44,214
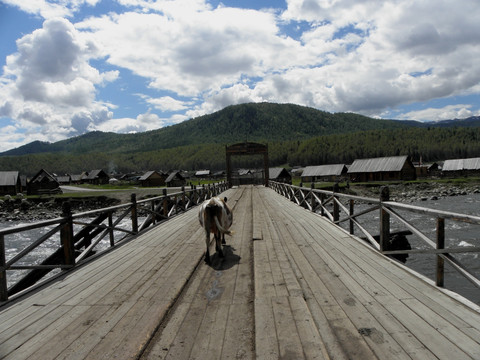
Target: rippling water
456,234
16,242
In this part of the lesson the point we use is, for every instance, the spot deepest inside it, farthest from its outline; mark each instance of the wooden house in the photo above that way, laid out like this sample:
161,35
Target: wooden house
64,179
219,174
461,167
97,177
77,178
202,174
43,183
175,179
152,178
10,183
382,169
333,172
280,174
248,176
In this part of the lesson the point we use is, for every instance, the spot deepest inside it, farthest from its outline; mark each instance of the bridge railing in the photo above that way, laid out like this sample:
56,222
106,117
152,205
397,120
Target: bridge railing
340,209
73,238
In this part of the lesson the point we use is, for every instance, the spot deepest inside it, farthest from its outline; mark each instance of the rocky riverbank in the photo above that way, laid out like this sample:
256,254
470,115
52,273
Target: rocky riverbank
19,208
415,192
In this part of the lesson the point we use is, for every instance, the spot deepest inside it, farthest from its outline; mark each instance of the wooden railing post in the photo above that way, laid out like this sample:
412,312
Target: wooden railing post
66,234
336,207
384,218
110,232
440,245
312,198
152,208
322,201
133,198
165,203
184,204
3,271
351,210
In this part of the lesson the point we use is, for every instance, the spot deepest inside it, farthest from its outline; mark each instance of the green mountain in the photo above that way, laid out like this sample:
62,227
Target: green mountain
296,135
237,123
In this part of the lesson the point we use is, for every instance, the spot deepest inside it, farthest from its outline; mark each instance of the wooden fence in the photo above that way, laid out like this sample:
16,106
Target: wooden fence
80,237
342,210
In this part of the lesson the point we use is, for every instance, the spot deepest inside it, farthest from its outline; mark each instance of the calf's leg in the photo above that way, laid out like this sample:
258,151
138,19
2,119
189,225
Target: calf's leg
218,244
207,252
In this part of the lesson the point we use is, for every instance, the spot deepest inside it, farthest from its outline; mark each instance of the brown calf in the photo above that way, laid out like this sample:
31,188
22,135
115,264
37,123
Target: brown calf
215,217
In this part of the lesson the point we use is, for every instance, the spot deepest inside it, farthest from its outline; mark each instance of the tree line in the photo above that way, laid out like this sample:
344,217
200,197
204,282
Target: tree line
430,144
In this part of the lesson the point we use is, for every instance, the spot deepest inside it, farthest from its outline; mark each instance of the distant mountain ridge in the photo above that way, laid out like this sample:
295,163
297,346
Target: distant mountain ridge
267,122
236,123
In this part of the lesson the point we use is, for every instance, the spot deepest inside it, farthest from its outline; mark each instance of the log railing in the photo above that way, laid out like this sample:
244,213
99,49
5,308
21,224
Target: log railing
340,208
79,237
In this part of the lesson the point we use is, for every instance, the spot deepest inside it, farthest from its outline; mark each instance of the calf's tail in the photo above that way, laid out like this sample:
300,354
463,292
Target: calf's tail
221,228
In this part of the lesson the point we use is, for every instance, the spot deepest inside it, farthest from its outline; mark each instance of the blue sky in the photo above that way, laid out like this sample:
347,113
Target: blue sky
69,67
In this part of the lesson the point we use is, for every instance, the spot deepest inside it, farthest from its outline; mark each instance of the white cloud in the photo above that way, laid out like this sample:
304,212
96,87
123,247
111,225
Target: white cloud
459,111
377,68
197,52
363,56
216,100
167,103
141,123
50,9
49,82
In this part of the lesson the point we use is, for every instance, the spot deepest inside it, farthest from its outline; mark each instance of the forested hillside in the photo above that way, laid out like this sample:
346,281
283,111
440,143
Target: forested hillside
296,135
253,122
432,144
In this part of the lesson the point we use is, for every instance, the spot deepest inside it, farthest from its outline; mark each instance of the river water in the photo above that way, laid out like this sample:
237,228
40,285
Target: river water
16,242
456,234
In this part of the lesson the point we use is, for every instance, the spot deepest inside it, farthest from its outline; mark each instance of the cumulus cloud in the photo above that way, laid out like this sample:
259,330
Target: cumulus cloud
195,52
143,122
363,56
167,103
48,82
48,9
460,111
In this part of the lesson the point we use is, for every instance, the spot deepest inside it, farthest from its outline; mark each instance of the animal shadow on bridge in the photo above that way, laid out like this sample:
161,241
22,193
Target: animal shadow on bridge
229,260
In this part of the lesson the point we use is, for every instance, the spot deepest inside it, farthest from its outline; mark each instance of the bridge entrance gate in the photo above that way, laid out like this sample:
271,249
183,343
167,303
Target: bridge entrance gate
247,148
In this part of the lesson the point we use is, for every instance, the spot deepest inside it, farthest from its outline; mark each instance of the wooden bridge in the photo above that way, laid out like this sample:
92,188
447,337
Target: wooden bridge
292,285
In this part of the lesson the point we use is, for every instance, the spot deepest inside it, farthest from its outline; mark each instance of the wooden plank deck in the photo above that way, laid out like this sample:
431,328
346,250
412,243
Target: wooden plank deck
291,286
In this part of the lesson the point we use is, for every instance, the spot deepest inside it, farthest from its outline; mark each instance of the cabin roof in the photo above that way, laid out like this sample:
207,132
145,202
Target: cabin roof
174,174
461,164
64,178
324,170
43,174
148,174
77,177
8,178
274,173
96,173
202,173
392,163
